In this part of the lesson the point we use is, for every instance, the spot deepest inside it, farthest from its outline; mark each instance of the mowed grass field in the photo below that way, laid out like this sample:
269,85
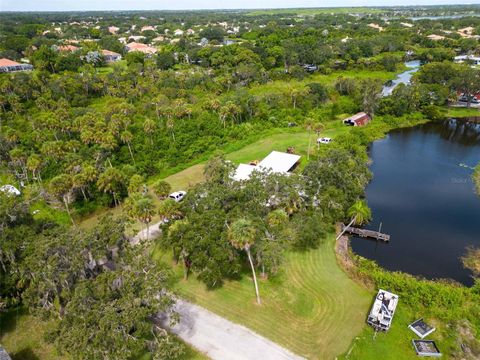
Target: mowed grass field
312,308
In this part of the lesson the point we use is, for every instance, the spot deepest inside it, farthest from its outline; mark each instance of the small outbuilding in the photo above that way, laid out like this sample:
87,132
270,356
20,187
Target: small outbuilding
421,328
359,119
426,348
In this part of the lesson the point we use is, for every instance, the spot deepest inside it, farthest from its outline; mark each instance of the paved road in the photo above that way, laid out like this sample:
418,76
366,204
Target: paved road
216,337
220,339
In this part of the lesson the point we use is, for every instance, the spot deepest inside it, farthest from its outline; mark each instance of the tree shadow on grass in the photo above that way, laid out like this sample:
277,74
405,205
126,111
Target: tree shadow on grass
8,319
25,354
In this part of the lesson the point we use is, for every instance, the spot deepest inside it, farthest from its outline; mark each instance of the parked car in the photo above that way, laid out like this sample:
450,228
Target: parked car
177,195
324,140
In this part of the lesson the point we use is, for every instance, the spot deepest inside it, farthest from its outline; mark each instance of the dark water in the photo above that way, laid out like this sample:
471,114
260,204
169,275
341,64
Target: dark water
425,199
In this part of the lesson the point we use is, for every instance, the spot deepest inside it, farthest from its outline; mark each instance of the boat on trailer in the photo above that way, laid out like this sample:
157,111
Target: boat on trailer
383,309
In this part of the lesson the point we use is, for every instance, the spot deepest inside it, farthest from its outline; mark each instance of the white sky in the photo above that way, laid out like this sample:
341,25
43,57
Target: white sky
73,5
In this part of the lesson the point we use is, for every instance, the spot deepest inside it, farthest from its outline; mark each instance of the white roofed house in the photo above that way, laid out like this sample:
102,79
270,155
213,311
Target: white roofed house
178,32
275,162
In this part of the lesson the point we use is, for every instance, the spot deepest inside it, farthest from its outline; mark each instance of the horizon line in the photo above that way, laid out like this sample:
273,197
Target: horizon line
243,9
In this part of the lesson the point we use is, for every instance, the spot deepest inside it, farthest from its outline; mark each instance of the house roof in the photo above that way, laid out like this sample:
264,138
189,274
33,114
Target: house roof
108,52
243,172
435,37
67,48
357,116
8,62
134,46
279,162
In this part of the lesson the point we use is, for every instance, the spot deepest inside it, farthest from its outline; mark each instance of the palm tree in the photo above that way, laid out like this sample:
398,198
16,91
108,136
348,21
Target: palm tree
111,181
144,211
242,236
60,186
149,128
359,214
309,124
126,137
318,127
169,209
162,189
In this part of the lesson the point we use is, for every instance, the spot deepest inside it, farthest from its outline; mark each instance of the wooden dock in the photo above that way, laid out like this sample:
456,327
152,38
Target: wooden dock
367,233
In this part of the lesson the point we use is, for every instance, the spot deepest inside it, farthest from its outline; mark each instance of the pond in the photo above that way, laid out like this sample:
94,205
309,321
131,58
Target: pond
403,78
423,195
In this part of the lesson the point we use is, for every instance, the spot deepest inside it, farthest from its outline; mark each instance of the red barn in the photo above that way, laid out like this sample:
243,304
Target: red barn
359,119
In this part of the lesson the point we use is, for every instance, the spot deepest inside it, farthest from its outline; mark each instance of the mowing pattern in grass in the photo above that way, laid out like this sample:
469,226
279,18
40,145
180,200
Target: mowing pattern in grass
312,308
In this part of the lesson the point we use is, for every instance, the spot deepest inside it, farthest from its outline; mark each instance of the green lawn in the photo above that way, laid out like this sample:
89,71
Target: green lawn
462,112
396,344
312,308
22,336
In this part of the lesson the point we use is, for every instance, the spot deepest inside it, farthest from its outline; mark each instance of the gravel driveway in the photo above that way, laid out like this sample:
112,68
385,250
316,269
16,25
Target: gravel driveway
220,339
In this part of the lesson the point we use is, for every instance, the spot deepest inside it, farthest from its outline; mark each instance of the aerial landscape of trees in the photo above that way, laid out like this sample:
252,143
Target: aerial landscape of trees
83,138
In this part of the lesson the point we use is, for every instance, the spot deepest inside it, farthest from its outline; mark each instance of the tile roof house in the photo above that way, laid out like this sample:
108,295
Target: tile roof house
111,56
133,46
7,65
67,48
147,28
113,29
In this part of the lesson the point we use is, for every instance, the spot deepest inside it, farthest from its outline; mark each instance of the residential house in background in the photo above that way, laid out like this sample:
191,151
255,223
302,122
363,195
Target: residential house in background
67,48
113,29
134,46
7,65
474,60
111,56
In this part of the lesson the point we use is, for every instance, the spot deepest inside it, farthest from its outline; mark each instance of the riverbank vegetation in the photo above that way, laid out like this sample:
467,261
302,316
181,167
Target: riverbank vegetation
476,178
